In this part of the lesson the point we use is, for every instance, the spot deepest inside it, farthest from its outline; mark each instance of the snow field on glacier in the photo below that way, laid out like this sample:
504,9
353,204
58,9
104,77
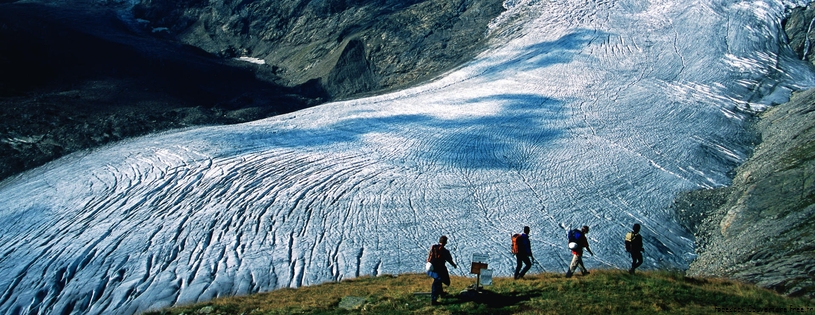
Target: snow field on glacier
582,112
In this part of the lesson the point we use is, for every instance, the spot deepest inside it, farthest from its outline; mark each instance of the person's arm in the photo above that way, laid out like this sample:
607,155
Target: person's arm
586,245
528,247
449,259
639,240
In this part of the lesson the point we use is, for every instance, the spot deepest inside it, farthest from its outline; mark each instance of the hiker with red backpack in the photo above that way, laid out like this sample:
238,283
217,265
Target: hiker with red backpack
523,252
437,268
578,241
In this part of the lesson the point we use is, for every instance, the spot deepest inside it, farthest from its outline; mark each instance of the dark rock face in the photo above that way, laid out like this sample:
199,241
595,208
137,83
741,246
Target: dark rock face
391,44
76,77
78,74
799,27
352,73
762,228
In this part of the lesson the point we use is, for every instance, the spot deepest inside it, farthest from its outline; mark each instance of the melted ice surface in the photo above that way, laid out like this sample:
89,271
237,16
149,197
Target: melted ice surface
582,112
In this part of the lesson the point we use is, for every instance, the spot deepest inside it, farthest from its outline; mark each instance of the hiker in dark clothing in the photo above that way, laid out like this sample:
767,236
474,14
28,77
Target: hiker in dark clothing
633,245
523,254
438,257
577,252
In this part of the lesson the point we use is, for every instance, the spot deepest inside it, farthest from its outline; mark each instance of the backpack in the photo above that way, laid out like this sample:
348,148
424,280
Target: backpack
516,246
435,254
574,235
629,237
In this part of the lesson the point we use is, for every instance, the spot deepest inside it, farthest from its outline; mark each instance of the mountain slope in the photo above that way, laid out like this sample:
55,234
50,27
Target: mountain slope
391,44
75,77
760,228
577,113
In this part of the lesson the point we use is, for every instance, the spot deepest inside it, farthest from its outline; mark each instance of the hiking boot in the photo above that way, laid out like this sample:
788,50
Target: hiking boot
435,302
585,272
631,271
569,274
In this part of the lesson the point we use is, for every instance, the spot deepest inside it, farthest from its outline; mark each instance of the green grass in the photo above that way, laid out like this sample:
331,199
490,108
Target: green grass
601,292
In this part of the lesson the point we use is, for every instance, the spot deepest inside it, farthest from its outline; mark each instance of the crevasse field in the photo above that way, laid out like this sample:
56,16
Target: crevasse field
581,112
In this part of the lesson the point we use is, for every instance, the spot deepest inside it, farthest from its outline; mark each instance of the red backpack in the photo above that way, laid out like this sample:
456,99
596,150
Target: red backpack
516,247
435,253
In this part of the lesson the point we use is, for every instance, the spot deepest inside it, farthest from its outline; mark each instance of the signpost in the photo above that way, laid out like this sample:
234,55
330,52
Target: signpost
486,277
479,268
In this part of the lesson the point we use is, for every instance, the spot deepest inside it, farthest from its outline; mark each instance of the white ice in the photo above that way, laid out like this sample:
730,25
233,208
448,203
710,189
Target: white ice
257,61
581,112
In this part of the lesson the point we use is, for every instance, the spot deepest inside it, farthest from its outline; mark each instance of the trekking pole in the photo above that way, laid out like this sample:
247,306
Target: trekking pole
540,267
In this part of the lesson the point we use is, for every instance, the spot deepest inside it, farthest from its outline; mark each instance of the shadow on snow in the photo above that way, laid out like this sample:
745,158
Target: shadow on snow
500,141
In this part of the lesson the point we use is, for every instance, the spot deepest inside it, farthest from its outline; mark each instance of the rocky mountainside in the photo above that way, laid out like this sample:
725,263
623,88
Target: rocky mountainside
78,74
350,47
760,229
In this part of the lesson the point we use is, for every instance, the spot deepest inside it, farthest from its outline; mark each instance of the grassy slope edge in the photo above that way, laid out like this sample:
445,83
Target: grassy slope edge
602,291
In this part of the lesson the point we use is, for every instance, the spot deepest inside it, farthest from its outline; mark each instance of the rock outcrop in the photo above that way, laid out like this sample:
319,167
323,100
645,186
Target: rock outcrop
382,44
799,27
760,229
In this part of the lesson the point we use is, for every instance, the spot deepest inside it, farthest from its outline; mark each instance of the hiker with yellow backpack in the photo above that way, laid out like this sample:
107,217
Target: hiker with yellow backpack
633,245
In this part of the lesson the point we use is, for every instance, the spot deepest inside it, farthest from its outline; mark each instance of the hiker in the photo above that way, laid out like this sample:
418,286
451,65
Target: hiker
578,237
523,252
633,245
438,257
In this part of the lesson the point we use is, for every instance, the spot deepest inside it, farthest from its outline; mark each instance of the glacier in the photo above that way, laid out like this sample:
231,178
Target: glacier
580,112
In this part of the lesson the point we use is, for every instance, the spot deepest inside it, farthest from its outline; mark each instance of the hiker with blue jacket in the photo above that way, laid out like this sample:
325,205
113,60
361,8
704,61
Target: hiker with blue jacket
438,259
523,252
578,241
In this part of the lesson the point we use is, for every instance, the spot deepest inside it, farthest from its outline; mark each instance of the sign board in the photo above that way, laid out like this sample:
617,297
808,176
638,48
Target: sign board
486,276
482,258
477,267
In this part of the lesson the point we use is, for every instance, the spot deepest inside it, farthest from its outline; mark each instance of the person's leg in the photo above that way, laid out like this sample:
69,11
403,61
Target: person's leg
518,262
528,264
572,265
636,261
582,267
435,290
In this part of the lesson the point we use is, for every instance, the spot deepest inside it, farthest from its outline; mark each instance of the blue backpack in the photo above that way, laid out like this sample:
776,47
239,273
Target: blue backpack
574,235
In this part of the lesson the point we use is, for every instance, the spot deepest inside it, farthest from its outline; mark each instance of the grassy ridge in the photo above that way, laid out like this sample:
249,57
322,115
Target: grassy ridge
602,292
